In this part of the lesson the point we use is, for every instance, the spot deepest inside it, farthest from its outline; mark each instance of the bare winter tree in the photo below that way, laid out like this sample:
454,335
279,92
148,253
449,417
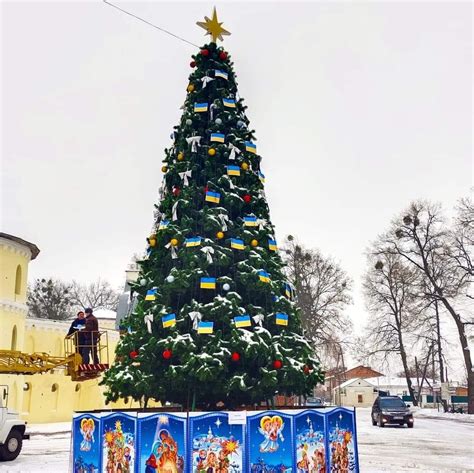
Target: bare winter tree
49,299
388,288
421,238
323,292
97,295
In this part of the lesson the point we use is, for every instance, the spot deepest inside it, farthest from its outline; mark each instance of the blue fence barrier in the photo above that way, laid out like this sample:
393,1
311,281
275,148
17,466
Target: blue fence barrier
296,441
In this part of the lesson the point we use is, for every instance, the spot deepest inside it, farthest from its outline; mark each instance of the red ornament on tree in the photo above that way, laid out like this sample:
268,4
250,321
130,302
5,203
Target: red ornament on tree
192,63
222,55
133,354
235,356
167,354
277,364
306,369
247,198
204,52
176,191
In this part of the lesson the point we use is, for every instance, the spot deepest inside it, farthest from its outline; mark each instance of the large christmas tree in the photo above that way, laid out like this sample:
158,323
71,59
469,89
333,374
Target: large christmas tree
215,323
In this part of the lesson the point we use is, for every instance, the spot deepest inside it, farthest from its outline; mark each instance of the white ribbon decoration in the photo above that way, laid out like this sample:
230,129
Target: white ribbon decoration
148,319
261,223
233,151
205,80
231,184
194,141
170,247
196,318
184,176
224,219
162,191
211,110
258,319
208,251
174,210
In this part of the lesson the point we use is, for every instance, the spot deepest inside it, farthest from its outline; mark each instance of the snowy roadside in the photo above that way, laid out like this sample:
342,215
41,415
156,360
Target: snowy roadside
435,414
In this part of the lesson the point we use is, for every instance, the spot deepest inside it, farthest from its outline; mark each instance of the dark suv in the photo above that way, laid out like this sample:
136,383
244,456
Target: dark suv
391,410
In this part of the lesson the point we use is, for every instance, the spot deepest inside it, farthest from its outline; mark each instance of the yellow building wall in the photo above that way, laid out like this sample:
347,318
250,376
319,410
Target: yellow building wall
53,396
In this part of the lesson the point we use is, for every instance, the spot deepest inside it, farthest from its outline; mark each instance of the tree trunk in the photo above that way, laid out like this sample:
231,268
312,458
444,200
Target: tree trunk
466,354
403,356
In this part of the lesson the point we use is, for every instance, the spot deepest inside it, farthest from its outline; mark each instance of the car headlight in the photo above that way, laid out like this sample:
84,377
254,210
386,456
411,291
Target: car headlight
385,413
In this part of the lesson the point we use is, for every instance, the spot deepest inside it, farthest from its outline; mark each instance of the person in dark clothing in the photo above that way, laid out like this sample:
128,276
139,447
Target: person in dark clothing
78,326
91,337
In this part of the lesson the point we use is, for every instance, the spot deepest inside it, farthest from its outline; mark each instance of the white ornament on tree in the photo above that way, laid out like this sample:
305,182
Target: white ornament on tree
170,278
226,287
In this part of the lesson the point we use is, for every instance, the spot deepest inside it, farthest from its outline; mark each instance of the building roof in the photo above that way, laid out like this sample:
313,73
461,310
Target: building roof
360,371
33,248
349,382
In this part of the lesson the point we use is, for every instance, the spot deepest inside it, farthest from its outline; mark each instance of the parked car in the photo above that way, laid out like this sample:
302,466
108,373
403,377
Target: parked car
314,402
391,410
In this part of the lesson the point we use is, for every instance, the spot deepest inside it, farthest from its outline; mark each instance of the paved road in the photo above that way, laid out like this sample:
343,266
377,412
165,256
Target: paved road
433,445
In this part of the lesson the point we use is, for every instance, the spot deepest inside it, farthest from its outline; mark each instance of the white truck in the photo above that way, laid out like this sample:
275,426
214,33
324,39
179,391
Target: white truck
12,429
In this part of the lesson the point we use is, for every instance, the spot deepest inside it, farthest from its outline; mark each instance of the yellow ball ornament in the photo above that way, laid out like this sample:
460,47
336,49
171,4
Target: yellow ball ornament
211,152
190,87
180,156
244,166
164,169
220,235
254,243
174,242
152,240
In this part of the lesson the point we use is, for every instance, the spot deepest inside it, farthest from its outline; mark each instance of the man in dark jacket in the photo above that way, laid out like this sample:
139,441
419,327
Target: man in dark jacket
77,326
91,337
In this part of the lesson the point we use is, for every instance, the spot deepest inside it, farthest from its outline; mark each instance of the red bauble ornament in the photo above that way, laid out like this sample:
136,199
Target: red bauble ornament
204,52
306,369
133,354
277,364
247,198
222,55
176,191
167,354
192,63
235,356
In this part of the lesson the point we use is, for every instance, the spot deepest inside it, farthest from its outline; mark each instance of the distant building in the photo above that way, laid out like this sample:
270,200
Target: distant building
52,396
356,392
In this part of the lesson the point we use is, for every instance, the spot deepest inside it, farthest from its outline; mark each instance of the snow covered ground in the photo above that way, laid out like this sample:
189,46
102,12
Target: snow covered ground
437,443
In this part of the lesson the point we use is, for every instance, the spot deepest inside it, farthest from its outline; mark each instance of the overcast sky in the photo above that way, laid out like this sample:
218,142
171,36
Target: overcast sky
358,108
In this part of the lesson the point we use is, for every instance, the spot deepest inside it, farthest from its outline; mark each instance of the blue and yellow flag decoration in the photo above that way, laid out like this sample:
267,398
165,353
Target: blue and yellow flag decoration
208,283
233,171
281,319
250,147
205,327
288,291
230,103
214,197
261,176
218,137
221,74
250,221
164,224
151,294
242,321
190,242
263,276
169,320
201,107
237,244
272,245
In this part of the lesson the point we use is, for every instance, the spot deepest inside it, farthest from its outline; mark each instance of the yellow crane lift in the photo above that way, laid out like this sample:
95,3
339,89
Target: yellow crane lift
16,362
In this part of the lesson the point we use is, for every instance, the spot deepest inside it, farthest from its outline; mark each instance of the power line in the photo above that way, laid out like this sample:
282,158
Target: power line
150,24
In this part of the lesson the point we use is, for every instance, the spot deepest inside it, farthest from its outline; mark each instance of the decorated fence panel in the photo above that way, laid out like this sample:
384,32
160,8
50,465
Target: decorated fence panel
296,441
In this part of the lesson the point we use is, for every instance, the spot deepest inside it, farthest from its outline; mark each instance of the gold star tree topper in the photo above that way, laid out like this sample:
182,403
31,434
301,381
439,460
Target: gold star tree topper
213,27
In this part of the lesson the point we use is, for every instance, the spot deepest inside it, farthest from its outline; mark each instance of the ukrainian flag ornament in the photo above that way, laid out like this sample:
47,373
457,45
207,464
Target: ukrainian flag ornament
237,244
281,319
213,197
151,294
242,321
263,276
208,283
205,327
169,320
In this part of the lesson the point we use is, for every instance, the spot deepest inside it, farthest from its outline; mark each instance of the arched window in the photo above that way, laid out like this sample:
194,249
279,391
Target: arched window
18,281
14,336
